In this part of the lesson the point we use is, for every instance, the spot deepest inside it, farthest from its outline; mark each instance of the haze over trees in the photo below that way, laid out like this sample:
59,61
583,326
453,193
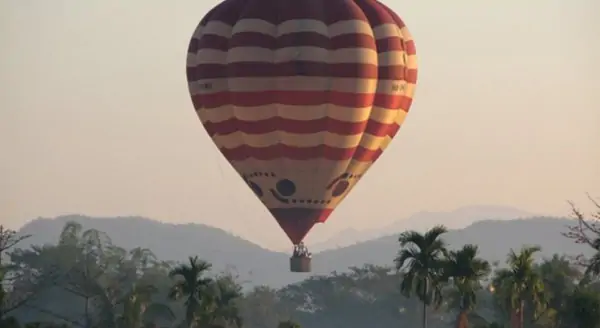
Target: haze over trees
86,280
259,266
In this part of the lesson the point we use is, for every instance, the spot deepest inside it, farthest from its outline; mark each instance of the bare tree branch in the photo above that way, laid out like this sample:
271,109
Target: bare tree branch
586,229
9,239
26,296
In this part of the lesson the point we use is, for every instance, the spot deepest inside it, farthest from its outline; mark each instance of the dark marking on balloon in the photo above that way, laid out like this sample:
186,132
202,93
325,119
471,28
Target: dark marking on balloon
341,184
398,87
340,188
342,176
279,198
255,188
285,187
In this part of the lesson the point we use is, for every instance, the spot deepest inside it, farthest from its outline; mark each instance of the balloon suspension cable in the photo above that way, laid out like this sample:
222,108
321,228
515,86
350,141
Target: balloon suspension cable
300,250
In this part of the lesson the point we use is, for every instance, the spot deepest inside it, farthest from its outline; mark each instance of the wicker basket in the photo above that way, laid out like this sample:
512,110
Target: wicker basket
300,264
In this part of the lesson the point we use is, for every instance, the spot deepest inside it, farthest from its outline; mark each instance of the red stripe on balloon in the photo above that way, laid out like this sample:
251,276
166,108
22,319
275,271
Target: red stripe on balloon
299,98
263,69
244,152
277,123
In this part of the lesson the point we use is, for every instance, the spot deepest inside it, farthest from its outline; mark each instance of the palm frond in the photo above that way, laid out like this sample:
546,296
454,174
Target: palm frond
410,237
433,234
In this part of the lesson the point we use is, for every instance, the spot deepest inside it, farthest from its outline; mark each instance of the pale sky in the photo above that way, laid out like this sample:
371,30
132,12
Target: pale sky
95,116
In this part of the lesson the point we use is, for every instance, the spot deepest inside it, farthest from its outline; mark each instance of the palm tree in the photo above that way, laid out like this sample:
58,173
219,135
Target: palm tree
466,271
91,240
191,285
519,284
421,257
221,301
143,258
139,309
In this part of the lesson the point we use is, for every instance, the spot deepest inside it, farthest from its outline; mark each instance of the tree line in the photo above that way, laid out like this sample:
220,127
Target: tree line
84,280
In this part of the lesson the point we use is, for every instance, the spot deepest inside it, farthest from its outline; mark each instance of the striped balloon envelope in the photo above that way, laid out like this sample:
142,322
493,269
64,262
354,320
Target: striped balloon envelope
301,96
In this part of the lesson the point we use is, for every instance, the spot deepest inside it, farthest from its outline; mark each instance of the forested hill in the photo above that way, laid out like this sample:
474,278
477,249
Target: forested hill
176,242
261,266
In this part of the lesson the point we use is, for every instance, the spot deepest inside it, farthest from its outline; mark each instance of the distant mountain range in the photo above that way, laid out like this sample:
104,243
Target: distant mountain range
421,221
261,266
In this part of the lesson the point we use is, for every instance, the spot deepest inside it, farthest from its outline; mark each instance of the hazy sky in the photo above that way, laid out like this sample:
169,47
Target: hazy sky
95,116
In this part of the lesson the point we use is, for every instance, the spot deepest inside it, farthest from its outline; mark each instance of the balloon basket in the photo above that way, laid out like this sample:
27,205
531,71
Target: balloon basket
300,264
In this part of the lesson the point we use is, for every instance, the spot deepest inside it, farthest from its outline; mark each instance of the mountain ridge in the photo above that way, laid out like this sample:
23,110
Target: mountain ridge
456,219
260,266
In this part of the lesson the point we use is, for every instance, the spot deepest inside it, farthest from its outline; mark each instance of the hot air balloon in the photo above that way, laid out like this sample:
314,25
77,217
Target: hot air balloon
301,97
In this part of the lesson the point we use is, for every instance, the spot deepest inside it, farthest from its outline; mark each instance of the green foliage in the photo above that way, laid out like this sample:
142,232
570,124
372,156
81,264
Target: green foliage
288,324
583,309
